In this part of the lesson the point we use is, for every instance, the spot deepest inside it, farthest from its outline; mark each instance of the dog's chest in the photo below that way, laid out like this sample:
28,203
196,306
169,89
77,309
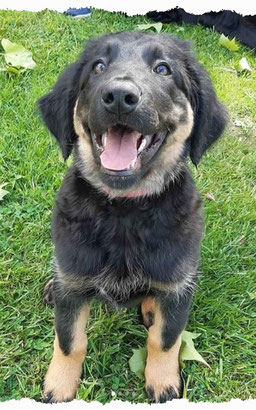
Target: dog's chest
121,252
126,241
120,244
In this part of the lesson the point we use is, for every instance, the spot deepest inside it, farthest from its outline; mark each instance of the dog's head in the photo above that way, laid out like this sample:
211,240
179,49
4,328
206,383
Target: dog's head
133,106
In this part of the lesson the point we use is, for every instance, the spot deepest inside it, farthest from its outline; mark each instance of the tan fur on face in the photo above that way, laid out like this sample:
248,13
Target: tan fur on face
61,380
162,368
163,170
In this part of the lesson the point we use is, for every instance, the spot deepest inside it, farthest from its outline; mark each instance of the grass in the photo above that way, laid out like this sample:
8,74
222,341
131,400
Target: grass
223,310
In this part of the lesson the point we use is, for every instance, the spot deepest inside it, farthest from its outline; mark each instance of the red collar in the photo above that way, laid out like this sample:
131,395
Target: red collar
130,194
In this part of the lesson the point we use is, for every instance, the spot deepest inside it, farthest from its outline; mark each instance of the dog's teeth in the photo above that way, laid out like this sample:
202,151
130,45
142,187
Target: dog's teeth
132,164
145,143
142,145
148,139
97,142
104,140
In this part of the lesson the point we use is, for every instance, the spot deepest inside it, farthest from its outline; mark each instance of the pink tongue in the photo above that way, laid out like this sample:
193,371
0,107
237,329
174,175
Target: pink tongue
121,149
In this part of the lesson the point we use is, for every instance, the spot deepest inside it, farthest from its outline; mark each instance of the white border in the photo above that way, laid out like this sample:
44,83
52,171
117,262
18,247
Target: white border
134,7
180,404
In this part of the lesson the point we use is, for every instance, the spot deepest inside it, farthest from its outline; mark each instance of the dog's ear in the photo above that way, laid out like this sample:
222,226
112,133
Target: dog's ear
57,107
210,116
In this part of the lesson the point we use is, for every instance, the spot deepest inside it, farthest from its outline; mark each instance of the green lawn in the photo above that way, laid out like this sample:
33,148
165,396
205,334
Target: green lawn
223,310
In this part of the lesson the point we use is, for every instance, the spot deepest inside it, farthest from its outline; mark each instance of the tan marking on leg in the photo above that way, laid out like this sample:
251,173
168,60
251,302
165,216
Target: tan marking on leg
147,311
162,371
61,380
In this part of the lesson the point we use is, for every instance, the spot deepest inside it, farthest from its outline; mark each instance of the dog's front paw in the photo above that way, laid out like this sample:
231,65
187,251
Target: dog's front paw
163,380
159,393
60,383
57,396
62,378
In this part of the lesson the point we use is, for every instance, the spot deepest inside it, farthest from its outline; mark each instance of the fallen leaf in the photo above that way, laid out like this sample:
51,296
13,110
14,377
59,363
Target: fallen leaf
188,350
244,65
17,56
239,123
156,26
229,44
210,197
137,362
3,192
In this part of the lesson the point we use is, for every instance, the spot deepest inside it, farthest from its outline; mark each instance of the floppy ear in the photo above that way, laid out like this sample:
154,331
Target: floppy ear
57,107
210,116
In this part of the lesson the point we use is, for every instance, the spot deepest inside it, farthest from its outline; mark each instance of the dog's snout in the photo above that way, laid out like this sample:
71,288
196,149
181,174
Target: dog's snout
120,99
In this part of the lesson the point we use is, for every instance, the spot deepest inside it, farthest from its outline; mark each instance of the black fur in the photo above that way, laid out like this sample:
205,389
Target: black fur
210,118
67,308
57,108
189,76
120,249
150,235
175,316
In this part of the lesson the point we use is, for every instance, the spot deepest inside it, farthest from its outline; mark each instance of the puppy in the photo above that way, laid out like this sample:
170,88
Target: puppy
127,223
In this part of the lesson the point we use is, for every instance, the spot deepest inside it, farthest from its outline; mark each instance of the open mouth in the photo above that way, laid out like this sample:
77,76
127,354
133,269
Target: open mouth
122,149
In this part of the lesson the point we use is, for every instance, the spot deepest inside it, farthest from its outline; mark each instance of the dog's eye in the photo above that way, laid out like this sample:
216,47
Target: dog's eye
99,68
162,69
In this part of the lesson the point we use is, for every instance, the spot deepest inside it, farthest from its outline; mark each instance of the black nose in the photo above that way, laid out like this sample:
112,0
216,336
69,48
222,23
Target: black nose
120,99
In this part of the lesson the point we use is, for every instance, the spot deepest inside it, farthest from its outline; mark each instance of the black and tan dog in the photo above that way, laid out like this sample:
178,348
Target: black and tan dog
128,223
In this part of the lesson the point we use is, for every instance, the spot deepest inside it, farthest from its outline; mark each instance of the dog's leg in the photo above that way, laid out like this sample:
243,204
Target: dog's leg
162,373
61,380
148,311
48,298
